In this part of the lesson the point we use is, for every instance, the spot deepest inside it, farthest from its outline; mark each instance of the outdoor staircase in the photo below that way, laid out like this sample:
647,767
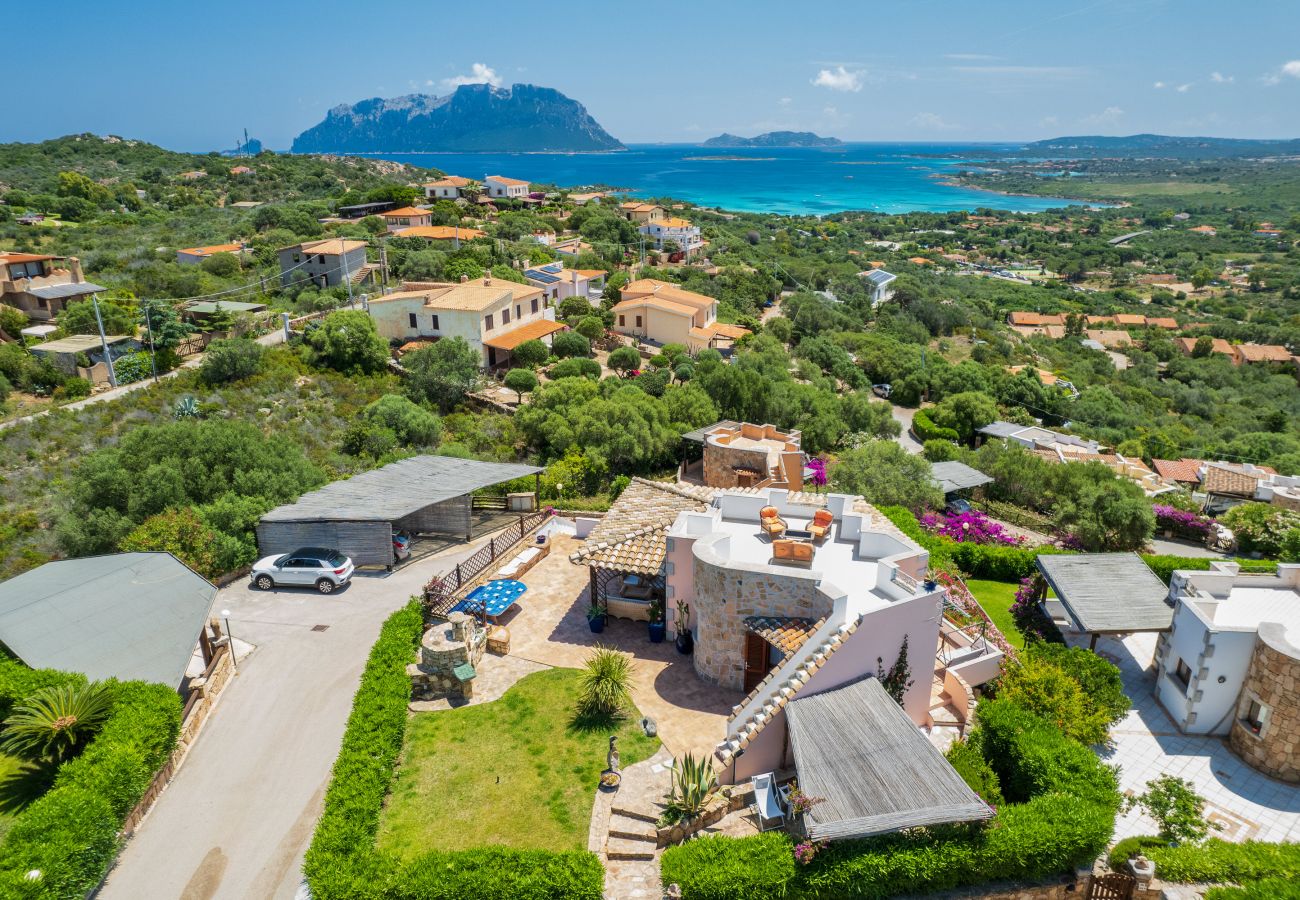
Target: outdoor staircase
631,835
947,724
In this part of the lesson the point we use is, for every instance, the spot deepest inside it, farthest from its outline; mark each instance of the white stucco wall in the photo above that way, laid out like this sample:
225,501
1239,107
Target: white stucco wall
1203,707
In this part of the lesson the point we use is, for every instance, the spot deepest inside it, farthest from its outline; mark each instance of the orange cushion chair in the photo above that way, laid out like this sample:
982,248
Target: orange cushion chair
771,522
820,525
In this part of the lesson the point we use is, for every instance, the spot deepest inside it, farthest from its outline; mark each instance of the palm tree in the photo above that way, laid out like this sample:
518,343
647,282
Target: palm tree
56,722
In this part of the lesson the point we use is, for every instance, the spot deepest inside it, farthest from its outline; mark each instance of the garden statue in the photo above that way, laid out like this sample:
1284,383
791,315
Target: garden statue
612,759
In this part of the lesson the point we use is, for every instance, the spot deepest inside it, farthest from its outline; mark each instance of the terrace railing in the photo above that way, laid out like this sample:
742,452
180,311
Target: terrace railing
443,592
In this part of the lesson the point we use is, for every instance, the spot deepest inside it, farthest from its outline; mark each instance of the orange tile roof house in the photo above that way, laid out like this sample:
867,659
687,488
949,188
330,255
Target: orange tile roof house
1185,471
194,255
1033,318
1109,338
1163,322
406,217
663,313
642,213
1262,353
1207,230
1127,319
448,188
1217,345
452,233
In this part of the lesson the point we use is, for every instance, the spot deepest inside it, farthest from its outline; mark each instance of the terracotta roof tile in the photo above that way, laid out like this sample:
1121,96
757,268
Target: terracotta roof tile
632,537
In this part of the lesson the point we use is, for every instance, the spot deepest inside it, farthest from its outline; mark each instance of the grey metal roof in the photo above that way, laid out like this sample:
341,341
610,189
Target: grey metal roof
879,277
59,291
397,490
1108,592
230,306
876,771
698,434
1001,429
957,476
126,616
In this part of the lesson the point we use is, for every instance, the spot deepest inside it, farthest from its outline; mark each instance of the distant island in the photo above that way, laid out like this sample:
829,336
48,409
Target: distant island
774,139
474,118
1159,145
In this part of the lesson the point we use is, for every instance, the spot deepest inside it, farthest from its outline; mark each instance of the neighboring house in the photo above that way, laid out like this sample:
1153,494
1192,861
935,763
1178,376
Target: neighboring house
406,217
361,210
241,170
1207,230
743,455
196,255
878,282
643,213
438,233
498,186
1185,472
1036,437
1133,469
1280,490
1231,664
129,616
1217,345
37,285
63,353
679,231
1229,484
449,188
661,313
558,282
325,263
584,199
193,176
1268,229
1261,353
1047,378
492,316
1109,338
1034,320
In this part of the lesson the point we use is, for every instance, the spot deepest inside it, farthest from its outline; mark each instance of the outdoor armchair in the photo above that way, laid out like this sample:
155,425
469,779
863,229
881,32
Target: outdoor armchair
771,522
820,525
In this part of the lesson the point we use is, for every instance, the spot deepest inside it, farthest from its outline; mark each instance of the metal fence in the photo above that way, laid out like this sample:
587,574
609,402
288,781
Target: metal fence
442,592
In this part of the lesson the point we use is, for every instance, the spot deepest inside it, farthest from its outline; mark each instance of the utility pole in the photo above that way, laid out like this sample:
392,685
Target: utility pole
347,276
153,364
103,341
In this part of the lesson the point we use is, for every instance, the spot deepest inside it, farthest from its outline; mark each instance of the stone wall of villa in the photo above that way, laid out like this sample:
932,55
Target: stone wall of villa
1273,679
720,463
724,597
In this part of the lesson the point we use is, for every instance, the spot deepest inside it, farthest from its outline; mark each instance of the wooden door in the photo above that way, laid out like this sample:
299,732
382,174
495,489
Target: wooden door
1112,886
756,667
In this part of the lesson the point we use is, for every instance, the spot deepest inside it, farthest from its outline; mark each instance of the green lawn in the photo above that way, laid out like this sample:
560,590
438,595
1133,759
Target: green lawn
512,772
21,782
996,597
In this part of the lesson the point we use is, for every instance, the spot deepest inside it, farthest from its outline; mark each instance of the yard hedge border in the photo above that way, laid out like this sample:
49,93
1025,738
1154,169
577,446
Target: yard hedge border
70,833
925,429
343,862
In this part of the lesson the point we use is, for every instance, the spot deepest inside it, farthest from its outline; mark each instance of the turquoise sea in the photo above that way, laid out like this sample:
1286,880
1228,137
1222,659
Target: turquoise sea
887,178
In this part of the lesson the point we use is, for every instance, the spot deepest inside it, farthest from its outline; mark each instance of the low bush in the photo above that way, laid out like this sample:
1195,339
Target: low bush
1164,566
721,868
976,772
1268,889
342,861
69,834
926,430
1099,678
990,561
1222,862
1130,847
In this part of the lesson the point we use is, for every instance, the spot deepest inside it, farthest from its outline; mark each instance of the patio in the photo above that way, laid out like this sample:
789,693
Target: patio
549,626
1147,744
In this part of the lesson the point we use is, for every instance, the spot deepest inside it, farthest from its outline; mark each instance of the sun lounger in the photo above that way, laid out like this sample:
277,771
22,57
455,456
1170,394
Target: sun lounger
767,804
491,599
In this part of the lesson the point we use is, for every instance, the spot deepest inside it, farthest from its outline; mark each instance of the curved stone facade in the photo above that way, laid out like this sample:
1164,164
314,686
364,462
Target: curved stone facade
1273,680
726,592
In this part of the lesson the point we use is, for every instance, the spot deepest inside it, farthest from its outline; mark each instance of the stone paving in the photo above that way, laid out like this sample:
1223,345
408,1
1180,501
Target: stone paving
549,626
494,675
1147,744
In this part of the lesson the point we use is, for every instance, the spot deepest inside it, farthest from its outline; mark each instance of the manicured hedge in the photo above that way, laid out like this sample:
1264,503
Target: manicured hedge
1164,566
343,862
1066,820
1130,847
926,430
1268,889
1219,861
70,833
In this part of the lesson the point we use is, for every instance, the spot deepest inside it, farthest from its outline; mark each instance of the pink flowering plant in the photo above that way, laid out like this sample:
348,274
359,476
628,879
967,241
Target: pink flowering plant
962,609
817,466
970,528
1029,616
806,850
1182,523
800,802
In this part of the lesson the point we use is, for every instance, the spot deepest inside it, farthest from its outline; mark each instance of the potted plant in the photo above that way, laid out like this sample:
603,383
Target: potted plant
596,618
684,640
931,579
658,629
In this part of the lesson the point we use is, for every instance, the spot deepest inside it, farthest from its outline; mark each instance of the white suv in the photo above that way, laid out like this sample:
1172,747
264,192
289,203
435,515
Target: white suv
307,566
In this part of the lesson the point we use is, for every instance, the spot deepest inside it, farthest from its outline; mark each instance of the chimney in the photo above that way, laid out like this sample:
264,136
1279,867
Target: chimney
464,278
75,265
487,281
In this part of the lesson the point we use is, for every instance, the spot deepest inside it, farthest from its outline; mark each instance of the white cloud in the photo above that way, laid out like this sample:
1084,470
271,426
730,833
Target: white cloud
1220,78
1184,88
785,101
839,79
931,122
1108,116
1158,85
1292,68
479,74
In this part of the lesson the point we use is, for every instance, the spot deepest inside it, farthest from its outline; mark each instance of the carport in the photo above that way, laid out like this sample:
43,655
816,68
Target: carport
1106,593
423,495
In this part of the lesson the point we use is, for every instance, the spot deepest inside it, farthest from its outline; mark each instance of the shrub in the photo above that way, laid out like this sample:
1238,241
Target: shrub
996,563
720,868
1130,847
570,343
1181,522
970,527
1219,861
976,772
75,388
578,367
530,354
624,360
521,381
54,723
1029,618
1100,679
231,359
926,430
606,678
1164,566
1268,889
1039,686
1176,807
181,533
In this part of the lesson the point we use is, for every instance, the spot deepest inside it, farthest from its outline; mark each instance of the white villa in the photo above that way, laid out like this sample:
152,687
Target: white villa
878,282
497,186
674,229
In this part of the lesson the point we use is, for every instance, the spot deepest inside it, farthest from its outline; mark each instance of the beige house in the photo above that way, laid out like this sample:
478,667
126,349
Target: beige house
658,312
493,317
38,284
501,186
449,188
406,217
326,263
642,213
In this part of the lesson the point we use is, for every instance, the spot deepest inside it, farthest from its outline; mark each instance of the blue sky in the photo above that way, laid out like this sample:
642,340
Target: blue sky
191,77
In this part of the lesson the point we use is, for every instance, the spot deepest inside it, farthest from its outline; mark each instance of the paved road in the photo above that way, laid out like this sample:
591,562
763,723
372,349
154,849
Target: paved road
903,416
268,340
1185,548
237,819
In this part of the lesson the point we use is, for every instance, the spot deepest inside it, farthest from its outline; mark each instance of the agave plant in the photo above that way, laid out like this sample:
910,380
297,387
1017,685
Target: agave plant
605,684
56,722
694,781
186,408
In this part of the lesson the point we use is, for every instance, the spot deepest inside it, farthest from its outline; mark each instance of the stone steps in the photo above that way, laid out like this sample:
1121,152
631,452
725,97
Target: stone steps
634,814
632,829
623,848
946,714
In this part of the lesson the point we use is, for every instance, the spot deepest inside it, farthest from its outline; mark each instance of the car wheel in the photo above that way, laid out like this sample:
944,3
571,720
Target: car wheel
264,582
325,586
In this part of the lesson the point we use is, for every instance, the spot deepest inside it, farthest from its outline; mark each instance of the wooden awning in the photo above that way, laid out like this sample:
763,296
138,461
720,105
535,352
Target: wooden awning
532,331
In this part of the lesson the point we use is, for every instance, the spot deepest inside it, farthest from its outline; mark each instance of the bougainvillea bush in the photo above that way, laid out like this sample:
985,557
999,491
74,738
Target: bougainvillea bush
971,527
1182,523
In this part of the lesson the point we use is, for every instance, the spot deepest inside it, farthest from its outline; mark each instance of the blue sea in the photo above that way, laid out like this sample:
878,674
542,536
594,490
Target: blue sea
886,178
